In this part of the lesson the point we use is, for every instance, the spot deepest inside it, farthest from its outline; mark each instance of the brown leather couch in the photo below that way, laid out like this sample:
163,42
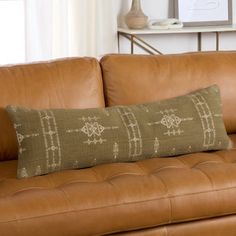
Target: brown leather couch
189,195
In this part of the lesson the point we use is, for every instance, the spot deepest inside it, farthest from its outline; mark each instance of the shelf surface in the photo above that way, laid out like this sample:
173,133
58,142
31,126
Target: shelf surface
202,29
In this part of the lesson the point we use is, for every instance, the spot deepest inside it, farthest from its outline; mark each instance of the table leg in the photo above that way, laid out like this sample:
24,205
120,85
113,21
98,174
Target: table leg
199,39
132,44
217,41
118,41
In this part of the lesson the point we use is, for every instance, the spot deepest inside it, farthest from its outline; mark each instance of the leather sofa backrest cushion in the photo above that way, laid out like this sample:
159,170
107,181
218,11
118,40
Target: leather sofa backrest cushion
133,79
66,83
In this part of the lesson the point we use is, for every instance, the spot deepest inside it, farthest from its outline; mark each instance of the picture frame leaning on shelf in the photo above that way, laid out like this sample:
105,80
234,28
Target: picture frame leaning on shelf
204,12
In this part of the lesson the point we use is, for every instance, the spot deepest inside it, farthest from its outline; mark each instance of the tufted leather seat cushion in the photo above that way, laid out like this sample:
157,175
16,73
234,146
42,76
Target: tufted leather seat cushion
119,196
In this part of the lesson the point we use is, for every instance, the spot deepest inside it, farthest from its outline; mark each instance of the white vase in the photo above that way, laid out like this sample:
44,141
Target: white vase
135,18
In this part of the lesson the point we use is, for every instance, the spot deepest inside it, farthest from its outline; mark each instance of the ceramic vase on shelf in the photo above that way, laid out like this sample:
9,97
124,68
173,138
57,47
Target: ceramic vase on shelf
135,18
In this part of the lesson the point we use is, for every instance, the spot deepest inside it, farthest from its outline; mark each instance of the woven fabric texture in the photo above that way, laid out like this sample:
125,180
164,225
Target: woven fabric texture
57,139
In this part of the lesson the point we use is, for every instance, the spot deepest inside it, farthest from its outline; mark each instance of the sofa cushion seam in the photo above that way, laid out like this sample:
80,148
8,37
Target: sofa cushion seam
114,205
173,196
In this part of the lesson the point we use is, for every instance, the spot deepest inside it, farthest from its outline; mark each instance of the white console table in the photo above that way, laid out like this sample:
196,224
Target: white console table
135,36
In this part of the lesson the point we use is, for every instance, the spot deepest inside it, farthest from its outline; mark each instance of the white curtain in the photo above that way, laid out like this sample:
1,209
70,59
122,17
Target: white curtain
62,28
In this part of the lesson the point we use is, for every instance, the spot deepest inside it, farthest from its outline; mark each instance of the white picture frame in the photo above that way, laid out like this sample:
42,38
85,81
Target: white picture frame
204,12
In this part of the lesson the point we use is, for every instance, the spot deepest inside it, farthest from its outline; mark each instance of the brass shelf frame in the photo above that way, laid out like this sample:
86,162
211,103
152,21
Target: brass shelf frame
135,36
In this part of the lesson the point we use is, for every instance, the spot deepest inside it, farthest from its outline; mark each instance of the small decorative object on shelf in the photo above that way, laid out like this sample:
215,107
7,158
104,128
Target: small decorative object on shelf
136,19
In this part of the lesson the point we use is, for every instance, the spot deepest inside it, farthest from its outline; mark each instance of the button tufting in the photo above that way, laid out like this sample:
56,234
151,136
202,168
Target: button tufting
161,190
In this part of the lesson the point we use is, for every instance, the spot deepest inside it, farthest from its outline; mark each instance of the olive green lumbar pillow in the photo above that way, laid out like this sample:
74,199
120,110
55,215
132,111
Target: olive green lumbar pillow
59,139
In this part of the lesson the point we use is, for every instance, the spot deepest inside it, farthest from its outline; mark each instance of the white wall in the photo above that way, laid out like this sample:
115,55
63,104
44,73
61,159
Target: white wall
175,43
12,45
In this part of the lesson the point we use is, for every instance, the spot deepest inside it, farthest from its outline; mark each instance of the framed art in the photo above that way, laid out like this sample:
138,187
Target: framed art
204,12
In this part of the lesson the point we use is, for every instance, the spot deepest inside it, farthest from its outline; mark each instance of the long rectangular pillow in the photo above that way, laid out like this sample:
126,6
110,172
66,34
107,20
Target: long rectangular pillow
58,139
